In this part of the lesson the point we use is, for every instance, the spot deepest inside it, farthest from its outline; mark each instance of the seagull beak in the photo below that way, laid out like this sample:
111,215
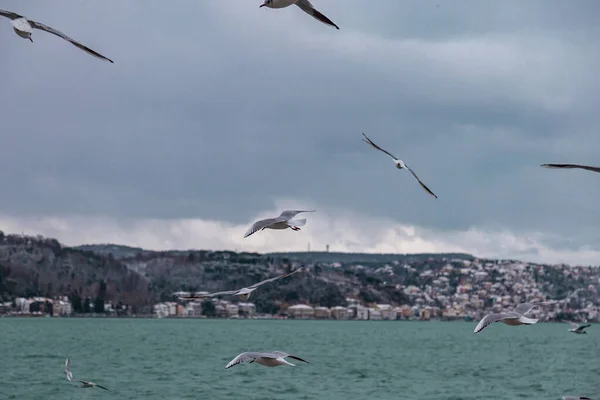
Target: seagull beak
262,5
31,39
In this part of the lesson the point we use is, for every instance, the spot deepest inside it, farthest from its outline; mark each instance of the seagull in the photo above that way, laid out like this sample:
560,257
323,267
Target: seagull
84,384
399,163
284,221
270,359
595,169
243,293
24,28
575,398
513,318
576,328
304,5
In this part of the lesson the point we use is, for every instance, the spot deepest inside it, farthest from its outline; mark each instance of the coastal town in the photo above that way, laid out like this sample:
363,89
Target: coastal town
456,289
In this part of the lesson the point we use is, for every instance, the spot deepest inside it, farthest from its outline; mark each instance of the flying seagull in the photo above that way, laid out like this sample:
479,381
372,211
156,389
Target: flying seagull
513,318
304,5
84,384
570,166
576,328
270,359
24,28
243,293
575,398
284,221
399,164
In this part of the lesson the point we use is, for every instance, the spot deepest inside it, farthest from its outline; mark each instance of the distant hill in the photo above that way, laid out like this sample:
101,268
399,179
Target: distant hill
31,266
327,257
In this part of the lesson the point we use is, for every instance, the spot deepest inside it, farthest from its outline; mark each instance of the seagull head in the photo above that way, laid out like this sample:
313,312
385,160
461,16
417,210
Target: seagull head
245,296
400,164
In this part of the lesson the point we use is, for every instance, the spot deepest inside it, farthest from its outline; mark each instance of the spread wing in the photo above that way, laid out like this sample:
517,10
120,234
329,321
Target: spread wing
208,295
369,141
101,387
307,7
274,279
10,14
582,327
420,183
524,308
262,224
284,355
39,25
490,319
246,356
289,214
573,324
595,169
68,371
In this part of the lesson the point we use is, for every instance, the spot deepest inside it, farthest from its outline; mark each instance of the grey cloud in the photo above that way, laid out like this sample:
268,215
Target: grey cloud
206,114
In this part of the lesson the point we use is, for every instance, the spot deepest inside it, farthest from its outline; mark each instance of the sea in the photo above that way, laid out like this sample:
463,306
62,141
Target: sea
170,359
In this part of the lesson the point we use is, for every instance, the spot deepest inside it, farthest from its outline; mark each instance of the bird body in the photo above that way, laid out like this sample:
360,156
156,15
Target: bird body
304,5
512,318
267,359
283,221
24,27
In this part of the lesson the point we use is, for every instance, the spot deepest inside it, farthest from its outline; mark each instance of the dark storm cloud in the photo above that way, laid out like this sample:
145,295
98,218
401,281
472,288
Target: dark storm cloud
213,111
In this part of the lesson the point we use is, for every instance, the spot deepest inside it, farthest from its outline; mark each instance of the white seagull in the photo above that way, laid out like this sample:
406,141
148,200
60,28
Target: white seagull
304,5
84,384
399,164
576,328
513,318
570,166
243,293
268,359
284,221
24,28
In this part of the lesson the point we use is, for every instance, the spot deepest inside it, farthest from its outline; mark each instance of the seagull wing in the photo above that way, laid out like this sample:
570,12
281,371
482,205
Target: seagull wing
68,371
254,286
289,214
524,308
421,183
573,324
262,224
582,327
39,25
190,298
490,319
308,8
595,169
10,14
369,141
246,356
284,355
101,387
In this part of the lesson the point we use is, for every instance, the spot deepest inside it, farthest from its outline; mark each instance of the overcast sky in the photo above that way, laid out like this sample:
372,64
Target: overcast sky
216,113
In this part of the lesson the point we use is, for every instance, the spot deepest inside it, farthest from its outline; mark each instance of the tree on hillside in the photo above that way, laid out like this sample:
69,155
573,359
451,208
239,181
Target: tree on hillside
209,309
87,305
99,302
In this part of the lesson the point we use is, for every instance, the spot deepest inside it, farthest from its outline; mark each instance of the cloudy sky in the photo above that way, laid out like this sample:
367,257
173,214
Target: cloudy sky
217,113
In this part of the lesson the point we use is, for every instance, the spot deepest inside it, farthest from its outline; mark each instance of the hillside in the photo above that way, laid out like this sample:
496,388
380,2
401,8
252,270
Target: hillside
40,266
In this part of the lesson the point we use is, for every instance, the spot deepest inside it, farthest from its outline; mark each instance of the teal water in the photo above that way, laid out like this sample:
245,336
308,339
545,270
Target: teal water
162,359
